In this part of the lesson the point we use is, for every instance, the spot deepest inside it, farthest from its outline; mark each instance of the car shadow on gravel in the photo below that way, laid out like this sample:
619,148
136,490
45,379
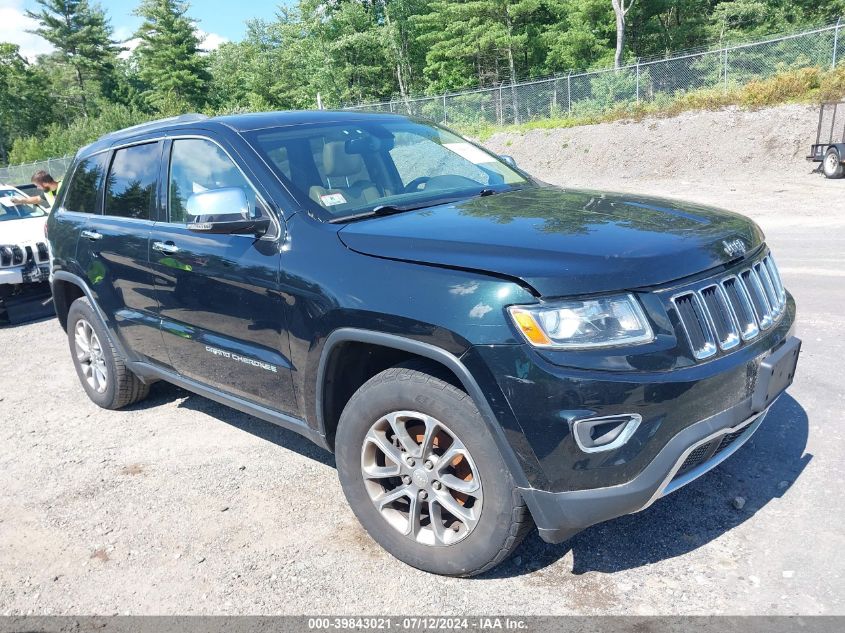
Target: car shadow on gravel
762,470
162,393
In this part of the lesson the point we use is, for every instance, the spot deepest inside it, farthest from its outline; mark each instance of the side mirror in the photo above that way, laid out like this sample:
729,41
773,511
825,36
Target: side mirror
224,211
508,160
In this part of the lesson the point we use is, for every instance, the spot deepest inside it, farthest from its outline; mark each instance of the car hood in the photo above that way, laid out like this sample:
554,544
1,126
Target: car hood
22,231
563,241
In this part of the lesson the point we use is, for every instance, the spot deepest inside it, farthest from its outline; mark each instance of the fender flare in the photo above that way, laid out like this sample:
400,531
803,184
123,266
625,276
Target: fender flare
76,280
840,149
438,355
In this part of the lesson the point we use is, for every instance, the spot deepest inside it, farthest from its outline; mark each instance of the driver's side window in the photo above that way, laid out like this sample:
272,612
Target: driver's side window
418,157
198,165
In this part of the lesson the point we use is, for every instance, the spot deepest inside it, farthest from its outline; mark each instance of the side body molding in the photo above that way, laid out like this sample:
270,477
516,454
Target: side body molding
438,355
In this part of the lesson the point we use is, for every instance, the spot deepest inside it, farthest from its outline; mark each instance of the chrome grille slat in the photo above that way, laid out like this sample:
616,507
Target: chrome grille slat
774,274
768,287
762,309
740,304
696,324
720,316
732,309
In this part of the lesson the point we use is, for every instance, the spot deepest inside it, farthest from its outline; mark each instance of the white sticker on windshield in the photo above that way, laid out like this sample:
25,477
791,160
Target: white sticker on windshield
331,199
6,201
470,152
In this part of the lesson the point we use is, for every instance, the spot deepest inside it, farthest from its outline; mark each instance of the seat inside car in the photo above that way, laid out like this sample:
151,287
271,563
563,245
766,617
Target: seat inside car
345,174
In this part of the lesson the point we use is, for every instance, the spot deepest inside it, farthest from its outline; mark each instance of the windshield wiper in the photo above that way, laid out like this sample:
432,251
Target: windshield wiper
390,209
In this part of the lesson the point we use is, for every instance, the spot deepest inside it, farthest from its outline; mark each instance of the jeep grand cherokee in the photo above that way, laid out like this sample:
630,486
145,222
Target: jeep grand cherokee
483,352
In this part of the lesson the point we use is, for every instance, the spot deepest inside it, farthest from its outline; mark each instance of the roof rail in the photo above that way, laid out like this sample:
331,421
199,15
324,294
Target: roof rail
182,118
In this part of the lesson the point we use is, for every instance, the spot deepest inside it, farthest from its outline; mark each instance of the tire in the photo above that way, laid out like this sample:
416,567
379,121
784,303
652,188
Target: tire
490,522
101,369
832,164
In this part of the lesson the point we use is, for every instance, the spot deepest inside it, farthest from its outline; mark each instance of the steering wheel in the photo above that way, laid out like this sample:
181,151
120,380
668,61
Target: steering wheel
415,184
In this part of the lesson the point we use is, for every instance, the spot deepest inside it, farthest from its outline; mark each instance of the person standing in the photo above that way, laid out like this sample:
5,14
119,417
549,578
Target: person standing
48,187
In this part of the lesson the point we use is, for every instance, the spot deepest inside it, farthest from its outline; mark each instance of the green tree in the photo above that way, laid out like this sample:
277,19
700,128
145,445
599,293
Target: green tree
659,27
744,19
168,57
276,66
357,66
25,101
481,42
82,37
403,51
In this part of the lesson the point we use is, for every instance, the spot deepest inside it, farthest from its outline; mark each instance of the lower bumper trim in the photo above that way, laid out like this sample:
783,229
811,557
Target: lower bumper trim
674,481
561,515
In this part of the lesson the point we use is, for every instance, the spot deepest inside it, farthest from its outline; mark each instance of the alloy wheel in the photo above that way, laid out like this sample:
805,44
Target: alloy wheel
90,356
421,478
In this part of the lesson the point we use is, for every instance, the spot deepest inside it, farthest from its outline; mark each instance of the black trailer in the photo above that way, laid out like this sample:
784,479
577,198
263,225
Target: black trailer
829,148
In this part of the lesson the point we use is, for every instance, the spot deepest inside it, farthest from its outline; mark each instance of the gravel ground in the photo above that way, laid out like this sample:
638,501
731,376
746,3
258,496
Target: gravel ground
180,505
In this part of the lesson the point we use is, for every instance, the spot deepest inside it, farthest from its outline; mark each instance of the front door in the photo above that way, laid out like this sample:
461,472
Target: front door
222,316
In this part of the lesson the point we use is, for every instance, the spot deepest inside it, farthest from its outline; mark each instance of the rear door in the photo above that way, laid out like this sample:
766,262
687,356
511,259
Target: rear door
222,315
82,200
113,249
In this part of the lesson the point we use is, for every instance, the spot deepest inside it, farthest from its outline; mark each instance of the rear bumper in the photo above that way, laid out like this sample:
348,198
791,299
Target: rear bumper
688,455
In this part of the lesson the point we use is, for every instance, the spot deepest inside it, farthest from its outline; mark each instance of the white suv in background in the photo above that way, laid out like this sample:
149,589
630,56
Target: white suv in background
24,258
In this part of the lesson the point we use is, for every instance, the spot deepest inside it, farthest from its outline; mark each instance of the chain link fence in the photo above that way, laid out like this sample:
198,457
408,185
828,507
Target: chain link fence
21,174
653,81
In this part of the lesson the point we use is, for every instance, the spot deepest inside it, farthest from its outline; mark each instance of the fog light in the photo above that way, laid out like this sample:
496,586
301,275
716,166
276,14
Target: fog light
606,433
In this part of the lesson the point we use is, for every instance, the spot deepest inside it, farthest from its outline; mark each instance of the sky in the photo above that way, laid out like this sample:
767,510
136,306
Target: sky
218,21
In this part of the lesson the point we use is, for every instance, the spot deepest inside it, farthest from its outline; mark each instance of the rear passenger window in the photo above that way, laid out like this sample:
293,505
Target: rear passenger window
84,190
131,185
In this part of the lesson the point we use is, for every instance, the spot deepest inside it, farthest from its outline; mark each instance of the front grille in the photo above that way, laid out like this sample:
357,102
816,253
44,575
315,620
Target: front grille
15,255
710,450
42,252
697,457
732,309
729,439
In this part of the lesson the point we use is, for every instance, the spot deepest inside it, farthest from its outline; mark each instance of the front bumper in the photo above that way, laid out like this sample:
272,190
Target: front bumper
561,515
29,274
11,276
688,455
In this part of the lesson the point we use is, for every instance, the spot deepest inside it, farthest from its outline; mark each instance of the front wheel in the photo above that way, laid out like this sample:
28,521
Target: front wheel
833,164
425,478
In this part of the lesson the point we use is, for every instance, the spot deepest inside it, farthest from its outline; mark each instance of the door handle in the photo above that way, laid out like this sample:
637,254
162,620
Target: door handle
165,247
92,235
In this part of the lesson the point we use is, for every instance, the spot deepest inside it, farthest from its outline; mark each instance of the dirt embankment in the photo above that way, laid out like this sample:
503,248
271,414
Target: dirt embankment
730,157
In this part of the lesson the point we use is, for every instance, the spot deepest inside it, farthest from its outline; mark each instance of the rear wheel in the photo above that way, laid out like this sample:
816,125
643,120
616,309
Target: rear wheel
425,478
833,164
100,367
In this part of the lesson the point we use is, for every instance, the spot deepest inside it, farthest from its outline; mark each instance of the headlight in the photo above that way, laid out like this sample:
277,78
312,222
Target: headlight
580,324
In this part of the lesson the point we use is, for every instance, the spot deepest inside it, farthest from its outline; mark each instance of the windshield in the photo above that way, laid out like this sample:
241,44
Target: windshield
345,169
9,211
